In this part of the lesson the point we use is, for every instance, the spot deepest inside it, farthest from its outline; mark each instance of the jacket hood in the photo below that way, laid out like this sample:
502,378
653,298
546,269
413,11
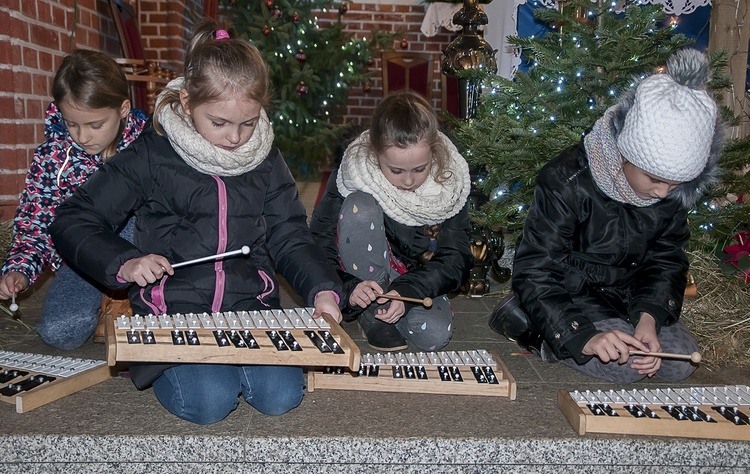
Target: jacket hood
55,130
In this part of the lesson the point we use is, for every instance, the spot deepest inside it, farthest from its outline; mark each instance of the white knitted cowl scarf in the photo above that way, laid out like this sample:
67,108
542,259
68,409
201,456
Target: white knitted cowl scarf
204,157
430,204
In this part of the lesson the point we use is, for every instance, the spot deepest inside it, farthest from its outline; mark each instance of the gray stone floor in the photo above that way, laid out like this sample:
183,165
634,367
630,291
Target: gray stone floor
112,427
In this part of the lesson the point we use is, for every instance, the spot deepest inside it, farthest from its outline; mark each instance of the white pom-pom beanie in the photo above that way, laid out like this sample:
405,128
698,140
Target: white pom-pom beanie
669,130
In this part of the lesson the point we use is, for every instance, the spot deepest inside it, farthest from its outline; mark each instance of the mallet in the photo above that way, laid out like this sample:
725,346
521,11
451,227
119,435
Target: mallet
245,250
426,302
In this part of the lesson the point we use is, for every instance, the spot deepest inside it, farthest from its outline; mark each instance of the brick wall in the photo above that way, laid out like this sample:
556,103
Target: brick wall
38,34
364,16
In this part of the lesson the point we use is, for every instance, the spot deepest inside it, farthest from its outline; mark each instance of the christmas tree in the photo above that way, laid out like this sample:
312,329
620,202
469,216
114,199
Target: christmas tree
591,55
312,67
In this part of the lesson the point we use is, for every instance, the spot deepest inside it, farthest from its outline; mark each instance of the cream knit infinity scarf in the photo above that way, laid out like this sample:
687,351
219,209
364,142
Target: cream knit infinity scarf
606,162
430,204
204,157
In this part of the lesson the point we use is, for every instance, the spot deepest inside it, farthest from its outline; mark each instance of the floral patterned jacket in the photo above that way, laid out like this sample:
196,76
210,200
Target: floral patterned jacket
59,167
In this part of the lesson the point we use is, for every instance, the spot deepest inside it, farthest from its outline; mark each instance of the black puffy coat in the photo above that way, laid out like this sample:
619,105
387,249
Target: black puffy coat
183,214
443,273
583,257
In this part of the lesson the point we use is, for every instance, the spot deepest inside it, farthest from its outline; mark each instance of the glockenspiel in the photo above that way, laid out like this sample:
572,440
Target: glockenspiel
694,412
470,372
267,337
31,380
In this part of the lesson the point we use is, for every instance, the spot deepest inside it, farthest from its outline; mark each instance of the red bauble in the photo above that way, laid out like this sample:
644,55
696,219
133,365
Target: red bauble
295,18
366,87
276,12
300,56
343,8
269,3
370,61
265,30
302,88
404,44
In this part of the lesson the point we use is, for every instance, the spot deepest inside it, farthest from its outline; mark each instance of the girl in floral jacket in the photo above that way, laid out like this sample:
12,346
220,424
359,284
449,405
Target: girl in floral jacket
89,121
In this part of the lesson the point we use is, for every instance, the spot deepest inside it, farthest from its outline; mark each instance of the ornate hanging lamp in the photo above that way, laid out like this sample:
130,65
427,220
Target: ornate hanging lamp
469,51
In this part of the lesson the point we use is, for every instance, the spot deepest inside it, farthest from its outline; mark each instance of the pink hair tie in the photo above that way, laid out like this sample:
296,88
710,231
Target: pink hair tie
221,34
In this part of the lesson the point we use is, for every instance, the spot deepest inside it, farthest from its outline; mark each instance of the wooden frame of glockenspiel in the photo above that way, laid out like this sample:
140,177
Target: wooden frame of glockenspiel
584,421
58,388
350,380
119,350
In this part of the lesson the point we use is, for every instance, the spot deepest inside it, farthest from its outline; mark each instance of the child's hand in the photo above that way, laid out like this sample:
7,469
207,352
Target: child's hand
645,332
12,282
325,302
612,345
364,293
394,312
145,270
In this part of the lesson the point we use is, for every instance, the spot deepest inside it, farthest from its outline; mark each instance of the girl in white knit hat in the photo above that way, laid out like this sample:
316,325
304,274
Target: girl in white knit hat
600,269
394,220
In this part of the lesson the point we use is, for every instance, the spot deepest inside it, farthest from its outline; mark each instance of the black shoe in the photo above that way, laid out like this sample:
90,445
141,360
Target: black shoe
508,319
384,337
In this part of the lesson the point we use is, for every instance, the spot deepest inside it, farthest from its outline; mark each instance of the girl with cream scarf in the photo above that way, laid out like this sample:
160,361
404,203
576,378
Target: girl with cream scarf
394,221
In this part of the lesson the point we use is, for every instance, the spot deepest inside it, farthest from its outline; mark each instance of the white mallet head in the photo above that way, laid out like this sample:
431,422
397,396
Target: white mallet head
245,250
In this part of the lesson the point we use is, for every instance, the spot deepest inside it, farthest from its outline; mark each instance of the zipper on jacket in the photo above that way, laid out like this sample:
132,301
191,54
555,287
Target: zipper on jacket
222,246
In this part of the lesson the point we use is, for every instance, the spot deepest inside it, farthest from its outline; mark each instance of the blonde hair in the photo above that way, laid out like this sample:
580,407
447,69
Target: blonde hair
218,68
93,80
403,119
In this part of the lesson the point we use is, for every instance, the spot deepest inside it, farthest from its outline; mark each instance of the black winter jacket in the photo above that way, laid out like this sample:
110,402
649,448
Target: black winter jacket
183,214
584,257
443,273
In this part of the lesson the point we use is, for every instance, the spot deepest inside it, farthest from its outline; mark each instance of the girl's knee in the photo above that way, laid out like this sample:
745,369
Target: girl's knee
429,337
360,207
273,390
278,404
201,397
206,412
675,371
64,342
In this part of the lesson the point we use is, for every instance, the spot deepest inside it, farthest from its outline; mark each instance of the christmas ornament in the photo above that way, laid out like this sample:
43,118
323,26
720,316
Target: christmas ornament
302,88
343,8
266,30
295,18
300,56
276,12
404,44
366,87
370,61
269,3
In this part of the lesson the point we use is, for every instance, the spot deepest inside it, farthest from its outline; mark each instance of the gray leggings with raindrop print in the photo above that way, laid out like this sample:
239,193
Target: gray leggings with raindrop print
363,249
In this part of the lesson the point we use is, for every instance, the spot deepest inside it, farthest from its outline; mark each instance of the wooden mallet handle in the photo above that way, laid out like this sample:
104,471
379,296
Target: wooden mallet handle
426,302
694,357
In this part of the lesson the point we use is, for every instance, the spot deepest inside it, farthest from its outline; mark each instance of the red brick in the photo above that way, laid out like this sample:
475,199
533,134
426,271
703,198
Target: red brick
29,9
19,29
44,37
7,108
30,58
44,12
24,133
40,84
